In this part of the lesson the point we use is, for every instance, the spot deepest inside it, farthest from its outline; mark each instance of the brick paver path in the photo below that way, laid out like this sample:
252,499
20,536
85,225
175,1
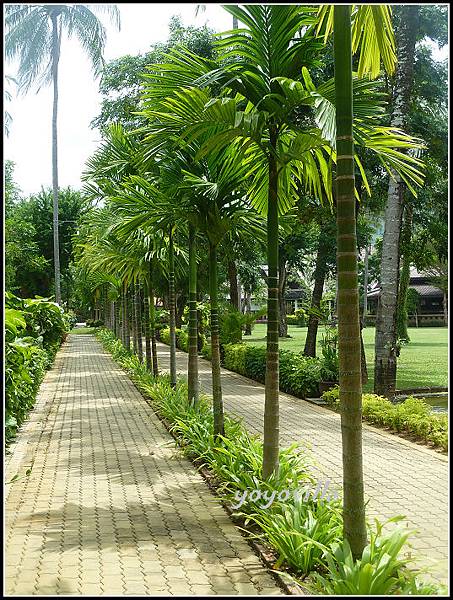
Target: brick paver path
111,507
401,477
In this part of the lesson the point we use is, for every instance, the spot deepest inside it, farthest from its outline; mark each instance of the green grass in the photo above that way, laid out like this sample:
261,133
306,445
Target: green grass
78,330
422,363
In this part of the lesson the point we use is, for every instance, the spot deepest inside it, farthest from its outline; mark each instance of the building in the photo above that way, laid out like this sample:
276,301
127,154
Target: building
430,306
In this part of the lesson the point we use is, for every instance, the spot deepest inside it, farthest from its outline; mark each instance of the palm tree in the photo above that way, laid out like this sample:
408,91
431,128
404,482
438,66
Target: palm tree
256,109
386,350
34,36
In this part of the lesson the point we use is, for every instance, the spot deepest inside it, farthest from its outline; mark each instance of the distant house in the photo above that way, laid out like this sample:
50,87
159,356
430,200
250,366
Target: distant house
430,309
294,297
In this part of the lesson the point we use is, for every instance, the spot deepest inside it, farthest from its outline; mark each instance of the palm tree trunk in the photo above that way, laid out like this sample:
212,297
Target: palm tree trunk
233,279
147,332
401,315
348,292
138,316
172,303
248,310
127,321
271,402
55,61
283,325
365,287
152,319
217,401
117,318
192,366
319,277
386,350
134,320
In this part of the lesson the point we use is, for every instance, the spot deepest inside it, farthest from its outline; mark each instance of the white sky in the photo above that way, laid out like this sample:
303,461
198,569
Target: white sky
29,142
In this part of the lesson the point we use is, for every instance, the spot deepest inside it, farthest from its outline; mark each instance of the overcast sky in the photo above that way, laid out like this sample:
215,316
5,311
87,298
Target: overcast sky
29,142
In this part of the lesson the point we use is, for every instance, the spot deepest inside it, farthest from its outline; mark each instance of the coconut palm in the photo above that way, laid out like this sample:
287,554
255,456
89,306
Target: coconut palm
33,35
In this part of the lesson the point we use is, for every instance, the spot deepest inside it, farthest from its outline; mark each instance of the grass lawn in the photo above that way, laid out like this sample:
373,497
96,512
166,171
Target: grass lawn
422,363
78,330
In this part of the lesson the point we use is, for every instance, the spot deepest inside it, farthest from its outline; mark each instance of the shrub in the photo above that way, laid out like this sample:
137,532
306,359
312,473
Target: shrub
34,330
299,375
413,416
380,571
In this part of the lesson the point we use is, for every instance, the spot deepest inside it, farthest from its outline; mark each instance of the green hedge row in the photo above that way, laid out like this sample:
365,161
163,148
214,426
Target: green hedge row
34,330
412,416
299,375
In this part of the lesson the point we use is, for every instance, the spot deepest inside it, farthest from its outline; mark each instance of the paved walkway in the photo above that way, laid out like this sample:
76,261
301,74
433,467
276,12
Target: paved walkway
110,506
401,477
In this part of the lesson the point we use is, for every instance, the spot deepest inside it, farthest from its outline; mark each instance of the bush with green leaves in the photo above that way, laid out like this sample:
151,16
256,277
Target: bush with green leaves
380,571
413,416
34,330
299,375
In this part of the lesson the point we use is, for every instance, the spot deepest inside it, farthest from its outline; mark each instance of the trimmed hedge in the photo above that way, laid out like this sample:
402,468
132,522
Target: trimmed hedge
412,416
299,375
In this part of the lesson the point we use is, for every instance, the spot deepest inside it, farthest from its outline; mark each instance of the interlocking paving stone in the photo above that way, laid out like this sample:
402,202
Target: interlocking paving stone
401,477
110,506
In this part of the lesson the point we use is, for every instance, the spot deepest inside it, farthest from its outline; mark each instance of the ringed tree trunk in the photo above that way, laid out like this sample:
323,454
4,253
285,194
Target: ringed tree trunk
401,315
55,60
172,307
365,287
192,366
282,325
138,316
234,288
217,400
386,349
313,320
127,319
248,309
134,319
354,526
152,318
147,332
271,397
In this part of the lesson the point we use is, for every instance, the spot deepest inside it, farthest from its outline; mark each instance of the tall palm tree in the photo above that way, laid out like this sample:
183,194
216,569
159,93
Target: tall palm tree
33,36
386,351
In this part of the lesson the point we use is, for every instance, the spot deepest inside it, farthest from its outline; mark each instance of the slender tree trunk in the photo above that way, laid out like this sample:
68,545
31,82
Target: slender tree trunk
152,319
248,310
365,287
55,60
123,315
138,313
363,366
171,282
217,401
386,349
319,277
348,292
127,321
112,317
233,279
402,316
282,325
134,319
192,367
147,331
271,402
117,318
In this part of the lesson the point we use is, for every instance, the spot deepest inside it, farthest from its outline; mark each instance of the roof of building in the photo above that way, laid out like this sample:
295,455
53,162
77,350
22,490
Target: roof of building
425,290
